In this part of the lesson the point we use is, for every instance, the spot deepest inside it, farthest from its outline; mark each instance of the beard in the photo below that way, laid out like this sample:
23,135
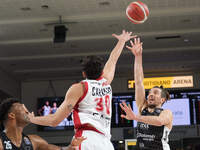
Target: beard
152,106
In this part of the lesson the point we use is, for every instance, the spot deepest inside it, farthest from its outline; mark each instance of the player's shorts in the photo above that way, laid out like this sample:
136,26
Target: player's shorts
95,141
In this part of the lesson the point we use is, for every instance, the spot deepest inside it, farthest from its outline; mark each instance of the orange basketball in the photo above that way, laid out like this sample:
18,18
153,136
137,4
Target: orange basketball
137,12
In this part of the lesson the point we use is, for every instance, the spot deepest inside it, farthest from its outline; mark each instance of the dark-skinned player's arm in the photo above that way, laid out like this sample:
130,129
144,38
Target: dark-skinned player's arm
40,144
1,146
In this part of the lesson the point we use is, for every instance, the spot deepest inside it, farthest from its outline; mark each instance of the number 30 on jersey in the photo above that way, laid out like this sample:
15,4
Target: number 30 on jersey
103,103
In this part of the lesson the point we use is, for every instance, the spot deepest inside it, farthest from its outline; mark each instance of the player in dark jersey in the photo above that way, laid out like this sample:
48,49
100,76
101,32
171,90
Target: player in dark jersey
13,116
154,123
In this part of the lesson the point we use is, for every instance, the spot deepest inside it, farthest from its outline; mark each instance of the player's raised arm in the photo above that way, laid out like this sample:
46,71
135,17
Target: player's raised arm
109,69
136,49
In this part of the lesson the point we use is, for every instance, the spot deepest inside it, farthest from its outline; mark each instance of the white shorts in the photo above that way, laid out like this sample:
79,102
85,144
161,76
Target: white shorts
95,141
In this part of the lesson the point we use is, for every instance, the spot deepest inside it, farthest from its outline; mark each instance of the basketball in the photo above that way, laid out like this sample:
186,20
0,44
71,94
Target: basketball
137,12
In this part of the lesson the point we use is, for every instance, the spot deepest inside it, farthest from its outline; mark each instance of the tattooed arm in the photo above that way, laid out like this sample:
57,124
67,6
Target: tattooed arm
71,98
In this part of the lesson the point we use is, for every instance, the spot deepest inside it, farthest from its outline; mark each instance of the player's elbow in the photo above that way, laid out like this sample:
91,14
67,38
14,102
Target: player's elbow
160,122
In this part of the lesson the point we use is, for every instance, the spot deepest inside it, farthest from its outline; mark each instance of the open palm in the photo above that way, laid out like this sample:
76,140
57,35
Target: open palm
77,141
136,47
124,36
129,112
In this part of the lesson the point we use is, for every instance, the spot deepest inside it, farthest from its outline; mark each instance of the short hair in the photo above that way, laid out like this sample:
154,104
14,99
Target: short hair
164,93
93,67
5,107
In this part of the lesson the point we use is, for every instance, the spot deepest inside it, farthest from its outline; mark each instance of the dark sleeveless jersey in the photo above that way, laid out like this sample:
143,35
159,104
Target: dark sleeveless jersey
151,137
8,145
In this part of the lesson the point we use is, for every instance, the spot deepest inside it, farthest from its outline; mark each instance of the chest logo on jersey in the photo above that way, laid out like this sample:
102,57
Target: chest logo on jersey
144,126
101,91
8,144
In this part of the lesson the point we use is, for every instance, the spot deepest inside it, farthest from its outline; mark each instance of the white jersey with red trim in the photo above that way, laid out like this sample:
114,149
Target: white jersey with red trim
94,107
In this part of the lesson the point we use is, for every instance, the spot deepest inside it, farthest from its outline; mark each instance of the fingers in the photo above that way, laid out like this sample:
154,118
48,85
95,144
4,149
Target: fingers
129,106
78,140
127,36
126,33
138,40
32,113
124,107
133,36
26,110
123,116
128,47
129,33
82,138
132,44
114,35
141,47
135,41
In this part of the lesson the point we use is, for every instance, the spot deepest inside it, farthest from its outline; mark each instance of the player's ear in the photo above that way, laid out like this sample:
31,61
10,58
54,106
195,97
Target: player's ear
163,100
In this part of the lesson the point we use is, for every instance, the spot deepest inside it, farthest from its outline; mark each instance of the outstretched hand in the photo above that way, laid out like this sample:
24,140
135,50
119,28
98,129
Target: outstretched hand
136,47
129,112
29,115
77,141
126,36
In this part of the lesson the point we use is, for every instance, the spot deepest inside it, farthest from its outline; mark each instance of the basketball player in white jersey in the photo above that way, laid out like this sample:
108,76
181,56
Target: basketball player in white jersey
90,101
46,108
154,123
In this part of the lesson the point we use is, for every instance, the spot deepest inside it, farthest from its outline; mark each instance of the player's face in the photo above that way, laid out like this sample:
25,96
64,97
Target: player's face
54,105
21,114
47,103
154,98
